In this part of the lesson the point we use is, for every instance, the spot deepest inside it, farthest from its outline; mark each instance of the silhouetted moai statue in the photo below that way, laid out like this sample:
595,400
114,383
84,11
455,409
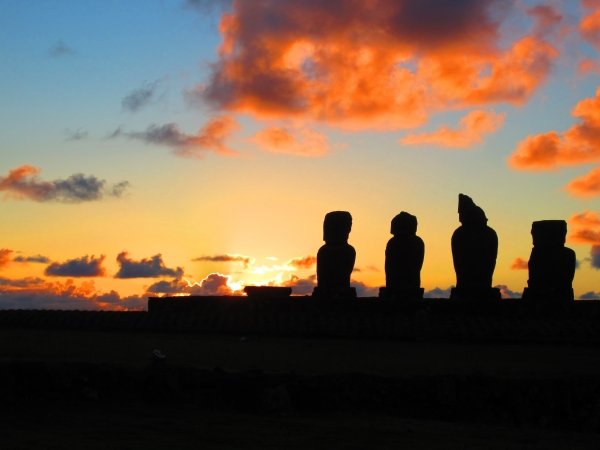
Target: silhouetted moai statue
474,252
335,259
551,266
404,255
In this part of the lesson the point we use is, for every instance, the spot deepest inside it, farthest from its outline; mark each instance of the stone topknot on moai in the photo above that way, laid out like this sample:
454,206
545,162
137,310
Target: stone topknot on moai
335,259
551,265
474,252
404,255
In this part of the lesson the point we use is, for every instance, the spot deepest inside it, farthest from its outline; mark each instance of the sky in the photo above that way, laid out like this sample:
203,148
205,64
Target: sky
174,147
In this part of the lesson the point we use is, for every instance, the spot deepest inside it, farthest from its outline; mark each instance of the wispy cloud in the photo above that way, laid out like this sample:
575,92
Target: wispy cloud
292,141
140,97
76,135
23,183
61,50
473,127
212,137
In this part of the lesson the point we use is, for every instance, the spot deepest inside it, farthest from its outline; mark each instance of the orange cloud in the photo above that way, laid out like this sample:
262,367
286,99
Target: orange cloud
303,262
587,185
579,144
372,64
520,264
470,132
36,293
590,28
588,66
299,142
5,257
586,219
585,236
587,228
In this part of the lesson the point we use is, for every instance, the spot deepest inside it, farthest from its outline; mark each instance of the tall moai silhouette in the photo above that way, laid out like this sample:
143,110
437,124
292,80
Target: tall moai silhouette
474,253
551,266
404,256
335,259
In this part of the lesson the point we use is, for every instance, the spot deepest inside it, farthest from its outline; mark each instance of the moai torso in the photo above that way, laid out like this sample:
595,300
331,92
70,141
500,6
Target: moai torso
474,247
335,259
551,264
404,255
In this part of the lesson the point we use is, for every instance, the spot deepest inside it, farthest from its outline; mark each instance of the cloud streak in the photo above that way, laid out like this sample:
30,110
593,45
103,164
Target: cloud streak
38,259
23,183
245,260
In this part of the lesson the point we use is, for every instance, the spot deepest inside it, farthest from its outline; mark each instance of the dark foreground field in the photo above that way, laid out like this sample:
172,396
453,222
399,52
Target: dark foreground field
87,380
140,427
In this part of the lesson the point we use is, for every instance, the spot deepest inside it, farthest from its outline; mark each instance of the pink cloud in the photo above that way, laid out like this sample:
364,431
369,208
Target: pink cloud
299,142
520,264
472,128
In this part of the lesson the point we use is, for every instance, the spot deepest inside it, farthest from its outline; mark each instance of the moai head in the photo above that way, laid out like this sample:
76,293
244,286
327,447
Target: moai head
469,214
404,224
336,227
549,233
